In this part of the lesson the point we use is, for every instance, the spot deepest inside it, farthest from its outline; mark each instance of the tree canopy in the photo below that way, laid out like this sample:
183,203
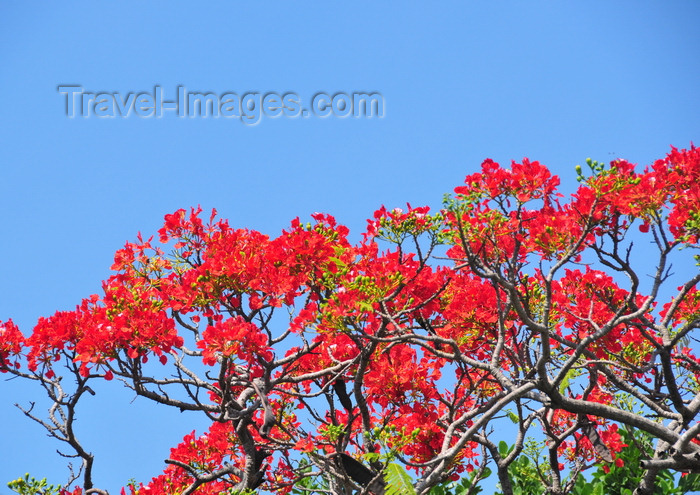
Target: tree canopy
388,365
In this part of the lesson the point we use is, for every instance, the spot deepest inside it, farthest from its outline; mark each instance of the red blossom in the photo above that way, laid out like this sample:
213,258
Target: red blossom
403,344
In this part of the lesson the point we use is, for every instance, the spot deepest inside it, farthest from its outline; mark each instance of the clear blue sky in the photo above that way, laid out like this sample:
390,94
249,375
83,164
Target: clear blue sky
554,81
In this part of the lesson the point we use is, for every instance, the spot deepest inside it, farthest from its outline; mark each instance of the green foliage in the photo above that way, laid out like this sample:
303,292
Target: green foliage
625,479
525,477
398,481
31,486
607,478
583,487
689,483
309,484
462,486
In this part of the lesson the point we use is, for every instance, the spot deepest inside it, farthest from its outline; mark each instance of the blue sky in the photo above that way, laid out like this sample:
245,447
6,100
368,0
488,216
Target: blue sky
557,82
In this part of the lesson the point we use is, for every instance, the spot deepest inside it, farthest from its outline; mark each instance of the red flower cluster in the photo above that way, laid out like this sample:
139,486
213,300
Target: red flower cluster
405,346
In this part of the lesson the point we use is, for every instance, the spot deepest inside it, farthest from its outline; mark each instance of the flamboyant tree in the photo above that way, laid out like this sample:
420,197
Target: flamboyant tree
388,365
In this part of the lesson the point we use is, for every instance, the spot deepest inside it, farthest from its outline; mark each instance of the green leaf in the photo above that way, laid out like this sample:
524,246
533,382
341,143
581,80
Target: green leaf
398,481
437,490
565,382
503,448
340,263
365,306
586,490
